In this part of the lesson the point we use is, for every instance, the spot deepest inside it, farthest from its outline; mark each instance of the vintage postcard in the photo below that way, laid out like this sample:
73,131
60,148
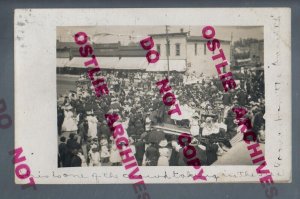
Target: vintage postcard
187,95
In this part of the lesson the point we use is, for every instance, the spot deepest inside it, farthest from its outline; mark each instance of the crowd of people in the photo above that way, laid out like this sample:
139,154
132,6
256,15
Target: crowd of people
85,139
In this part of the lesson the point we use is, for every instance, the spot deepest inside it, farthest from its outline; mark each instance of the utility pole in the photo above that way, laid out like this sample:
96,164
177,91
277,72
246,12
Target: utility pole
232,63
168,49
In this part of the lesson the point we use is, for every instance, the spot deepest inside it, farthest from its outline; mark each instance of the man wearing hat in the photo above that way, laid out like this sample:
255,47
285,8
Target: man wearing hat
242,97
83,130
181,158
76,160
140,148
60,119
71,145
200,151
152,155
63,152
103,129
139,126
258,120
227,98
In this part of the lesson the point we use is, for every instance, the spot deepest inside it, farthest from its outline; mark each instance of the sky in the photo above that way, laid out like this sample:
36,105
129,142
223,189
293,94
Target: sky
127,34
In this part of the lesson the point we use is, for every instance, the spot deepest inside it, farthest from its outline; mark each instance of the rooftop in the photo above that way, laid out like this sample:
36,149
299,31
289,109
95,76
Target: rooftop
200,38
184,34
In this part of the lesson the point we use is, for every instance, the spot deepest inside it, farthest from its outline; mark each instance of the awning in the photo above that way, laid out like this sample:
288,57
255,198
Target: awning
78,62
125,63
108,62
162,65
61,62
104,62
132,63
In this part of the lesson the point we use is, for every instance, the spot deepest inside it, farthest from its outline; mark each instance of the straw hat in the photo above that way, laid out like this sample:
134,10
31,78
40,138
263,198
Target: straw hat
208,119
130,140
194,142
196,115
103,142
68,107
192,104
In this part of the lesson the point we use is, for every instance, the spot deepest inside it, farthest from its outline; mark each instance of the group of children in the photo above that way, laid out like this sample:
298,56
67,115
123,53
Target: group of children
95,152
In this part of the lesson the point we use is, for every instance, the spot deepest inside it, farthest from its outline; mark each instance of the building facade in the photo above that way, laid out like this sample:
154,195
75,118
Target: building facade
186,53
192,49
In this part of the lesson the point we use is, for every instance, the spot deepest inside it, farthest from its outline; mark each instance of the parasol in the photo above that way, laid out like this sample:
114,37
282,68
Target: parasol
156,136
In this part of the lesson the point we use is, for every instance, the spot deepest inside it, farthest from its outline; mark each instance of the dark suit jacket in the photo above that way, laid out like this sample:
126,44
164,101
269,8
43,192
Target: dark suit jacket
140,150
76,161
152,154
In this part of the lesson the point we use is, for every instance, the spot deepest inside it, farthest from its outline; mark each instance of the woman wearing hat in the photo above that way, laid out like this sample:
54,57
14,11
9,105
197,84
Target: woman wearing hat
148,121
92,124
70,123
164,153
105,154
209,127
194,125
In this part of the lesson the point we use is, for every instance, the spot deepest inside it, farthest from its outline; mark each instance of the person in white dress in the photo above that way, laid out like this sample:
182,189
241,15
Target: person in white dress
209,127
194,125
115,157
104,150
69,124
92,124
148,122
94,156
164,154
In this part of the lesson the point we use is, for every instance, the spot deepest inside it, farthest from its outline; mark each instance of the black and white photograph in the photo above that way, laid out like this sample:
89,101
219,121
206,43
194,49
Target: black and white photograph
85,139
172,95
